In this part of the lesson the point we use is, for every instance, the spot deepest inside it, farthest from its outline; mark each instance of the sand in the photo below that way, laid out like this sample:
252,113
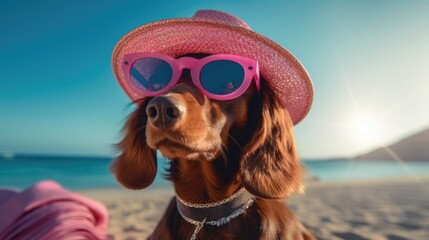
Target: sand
391,209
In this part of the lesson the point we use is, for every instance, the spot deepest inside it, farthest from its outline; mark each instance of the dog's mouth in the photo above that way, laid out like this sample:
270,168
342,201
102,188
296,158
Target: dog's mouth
172,144
172,150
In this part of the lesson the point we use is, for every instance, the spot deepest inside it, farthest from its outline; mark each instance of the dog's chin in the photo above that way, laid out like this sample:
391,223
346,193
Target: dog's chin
195,156
173,150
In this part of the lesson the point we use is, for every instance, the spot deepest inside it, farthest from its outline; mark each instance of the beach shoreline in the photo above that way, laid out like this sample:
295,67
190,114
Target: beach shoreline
391,209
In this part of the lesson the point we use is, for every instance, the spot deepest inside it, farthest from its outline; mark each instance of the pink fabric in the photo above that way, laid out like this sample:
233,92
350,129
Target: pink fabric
48,211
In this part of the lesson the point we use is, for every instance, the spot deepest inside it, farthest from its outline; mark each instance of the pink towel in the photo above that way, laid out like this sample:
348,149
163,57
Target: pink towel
46,211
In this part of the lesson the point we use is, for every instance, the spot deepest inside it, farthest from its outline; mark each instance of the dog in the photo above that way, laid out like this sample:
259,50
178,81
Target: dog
219,101
216,148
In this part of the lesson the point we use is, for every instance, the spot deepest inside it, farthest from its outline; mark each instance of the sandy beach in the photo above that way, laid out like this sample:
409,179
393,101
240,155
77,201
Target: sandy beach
391,209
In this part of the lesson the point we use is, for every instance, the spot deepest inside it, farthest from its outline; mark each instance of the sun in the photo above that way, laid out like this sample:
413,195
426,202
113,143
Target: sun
364,127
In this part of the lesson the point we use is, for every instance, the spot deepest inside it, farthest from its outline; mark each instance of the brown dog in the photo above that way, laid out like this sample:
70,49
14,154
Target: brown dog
216,148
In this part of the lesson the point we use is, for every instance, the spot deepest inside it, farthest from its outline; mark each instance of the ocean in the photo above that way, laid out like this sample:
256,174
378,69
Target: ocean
80,173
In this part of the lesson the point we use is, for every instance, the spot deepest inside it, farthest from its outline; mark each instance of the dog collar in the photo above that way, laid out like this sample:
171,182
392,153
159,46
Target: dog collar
217,213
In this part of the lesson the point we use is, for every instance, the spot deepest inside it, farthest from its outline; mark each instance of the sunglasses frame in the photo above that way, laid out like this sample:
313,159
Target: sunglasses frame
250,68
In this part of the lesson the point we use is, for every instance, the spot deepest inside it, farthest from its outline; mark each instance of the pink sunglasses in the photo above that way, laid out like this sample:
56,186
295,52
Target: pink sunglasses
219,76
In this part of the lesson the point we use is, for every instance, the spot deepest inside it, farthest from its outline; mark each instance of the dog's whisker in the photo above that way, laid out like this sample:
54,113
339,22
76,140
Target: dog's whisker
225,160
224,147
233,139
224,157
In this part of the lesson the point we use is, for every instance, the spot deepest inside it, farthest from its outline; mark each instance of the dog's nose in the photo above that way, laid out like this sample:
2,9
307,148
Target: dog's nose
164,112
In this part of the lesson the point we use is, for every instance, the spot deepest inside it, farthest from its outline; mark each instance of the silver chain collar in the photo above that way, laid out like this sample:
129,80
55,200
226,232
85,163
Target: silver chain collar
207,205
246,201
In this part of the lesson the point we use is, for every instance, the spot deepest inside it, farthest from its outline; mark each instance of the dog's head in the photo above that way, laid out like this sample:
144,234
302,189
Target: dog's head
185,124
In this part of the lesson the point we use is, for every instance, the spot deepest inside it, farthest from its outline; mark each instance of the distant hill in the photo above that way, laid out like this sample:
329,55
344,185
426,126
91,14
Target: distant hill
412,148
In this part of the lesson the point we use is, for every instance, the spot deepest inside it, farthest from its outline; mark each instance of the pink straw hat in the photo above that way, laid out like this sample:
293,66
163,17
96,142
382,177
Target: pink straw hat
215,32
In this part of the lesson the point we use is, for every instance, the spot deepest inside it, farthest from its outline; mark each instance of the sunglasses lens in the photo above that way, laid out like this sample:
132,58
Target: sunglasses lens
151,74
222,77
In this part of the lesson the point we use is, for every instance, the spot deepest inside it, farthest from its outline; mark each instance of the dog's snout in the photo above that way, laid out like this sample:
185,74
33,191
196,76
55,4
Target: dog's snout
164,112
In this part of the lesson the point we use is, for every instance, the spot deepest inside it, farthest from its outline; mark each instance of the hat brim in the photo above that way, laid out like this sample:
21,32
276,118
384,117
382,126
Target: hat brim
175,37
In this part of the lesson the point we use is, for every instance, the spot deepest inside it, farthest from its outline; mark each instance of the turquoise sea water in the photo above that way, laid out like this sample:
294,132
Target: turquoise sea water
87,173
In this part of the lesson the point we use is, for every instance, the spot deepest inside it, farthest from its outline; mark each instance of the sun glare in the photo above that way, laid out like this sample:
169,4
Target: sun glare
363,127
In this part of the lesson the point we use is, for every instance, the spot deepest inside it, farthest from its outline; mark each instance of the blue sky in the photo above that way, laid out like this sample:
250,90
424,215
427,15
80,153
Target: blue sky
368,61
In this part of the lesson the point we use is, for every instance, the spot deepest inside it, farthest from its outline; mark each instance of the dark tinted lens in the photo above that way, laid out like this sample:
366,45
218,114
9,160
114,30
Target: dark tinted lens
152,74
222,77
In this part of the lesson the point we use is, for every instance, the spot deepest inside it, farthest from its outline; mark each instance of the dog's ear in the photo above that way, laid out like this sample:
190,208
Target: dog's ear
270,166
136,166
